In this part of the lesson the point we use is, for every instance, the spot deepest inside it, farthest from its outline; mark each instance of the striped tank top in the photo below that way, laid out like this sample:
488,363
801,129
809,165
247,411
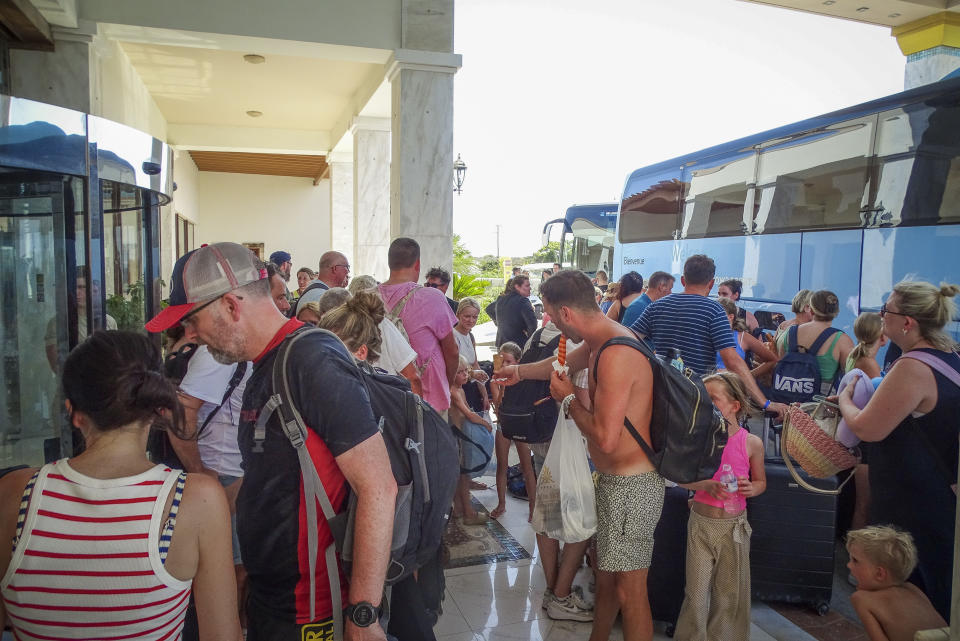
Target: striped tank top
88,558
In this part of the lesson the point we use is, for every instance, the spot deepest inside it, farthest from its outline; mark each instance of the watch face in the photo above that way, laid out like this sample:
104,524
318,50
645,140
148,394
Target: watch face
364,615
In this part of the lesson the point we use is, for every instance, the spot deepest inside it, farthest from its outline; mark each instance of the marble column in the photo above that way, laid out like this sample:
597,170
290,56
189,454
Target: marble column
342,235
932,48
421,184
371,201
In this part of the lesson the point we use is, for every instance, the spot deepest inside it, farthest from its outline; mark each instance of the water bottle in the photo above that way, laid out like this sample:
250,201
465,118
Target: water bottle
729,482
672,355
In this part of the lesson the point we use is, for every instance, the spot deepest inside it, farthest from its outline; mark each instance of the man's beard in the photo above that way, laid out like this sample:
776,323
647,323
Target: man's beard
228,345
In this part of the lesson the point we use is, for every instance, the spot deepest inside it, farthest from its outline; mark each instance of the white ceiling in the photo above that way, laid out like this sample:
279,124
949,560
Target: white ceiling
889,13
198,86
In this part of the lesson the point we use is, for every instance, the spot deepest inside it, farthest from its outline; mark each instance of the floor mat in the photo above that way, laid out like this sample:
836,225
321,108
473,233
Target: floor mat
481,544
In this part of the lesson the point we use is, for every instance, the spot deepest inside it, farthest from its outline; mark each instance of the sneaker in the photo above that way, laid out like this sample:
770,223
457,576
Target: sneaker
569,608
547,598
581,599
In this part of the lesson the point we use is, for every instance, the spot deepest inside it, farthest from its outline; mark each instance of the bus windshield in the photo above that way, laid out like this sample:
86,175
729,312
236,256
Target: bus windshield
587,237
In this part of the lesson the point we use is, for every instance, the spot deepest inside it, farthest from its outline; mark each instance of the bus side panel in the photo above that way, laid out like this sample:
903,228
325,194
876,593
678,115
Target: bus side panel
930,254
646,258
831,260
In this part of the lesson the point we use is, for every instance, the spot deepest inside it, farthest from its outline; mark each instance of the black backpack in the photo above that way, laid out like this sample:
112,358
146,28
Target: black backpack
527,412
796,378
687,431
424,459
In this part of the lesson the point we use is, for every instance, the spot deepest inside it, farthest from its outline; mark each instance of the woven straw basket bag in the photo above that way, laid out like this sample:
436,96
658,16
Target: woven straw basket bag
809,431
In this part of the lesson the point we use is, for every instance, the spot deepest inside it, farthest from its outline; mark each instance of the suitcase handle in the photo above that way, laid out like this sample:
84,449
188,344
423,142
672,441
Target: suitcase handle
796,476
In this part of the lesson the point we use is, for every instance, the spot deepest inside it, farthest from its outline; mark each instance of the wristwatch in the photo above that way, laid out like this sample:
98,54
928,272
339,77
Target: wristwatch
362,614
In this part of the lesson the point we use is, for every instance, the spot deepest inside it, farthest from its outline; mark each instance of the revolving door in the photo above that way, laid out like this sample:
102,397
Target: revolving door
65,272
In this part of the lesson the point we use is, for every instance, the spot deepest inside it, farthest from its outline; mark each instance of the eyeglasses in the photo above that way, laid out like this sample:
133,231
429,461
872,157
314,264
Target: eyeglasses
884,311
345,267
437,285
193,312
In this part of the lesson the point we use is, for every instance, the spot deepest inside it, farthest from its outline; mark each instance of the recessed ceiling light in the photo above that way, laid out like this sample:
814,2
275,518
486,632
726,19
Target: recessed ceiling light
829,2
894,15
862,9
253,113
254,58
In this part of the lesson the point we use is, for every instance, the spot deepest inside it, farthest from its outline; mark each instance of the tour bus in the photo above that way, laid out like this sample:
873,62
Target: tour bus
852,201
586,236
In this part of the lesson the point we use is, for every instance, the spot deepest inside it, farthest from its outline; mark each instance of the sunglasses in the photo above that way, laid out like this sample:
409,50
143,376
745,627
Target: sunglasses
884,311
435,285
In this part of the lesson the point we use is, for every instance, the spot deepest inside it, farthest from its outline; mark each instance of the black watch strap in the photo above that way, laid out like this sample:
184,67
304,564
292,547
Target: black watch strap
362,614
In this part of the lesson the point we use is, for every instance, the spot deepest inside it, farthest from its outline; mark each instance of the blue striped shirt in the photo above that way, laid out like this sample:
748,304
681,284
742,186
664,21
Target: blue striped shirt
694,324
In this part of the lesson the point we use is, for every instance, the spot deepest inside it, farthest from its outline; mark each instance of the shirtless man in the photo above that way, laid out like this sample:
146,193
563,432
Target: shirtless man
629,490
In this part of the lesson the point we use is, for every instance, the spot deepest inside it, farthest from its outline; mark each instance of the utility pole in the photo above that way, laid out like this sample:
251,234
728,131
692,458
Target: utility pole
498,242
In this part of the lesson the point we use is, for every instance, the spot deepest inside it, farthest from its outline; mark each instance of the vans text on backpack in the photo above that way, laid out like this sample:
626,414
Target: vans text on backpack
688,433
796,378
520,417
423,457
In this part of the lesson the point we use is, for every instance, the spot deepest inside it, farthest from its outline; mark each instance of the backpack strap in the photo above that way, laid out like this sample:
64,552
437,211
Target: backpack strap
463,437
821,339
238,373
641,347
792,339
397,309
296,431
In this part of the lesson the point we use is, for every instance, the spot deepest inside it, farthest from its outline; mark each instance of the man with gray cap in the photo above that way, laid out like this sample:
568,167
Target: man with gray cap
226,302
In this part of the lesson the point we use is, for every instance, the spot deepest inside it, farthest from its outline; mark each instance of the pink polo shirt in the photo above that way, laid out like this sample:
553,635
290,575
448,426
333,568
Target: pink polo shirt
427,319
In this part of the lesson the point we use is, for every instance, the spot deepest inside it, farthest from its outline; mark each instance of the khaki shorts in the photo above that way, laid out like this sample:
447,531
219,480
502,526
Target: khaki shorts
628,510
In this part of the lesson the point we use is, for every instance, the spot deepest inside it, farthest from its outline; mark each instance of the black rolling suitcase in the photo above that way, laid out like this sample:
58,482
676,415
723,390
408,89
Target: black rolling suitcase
792,547
666,578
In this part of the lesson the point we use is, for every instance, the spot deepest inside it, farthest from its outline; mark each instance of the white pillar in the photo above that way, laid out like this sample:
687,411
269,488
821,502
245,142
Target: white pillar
932,65
342,236
421,184
371,197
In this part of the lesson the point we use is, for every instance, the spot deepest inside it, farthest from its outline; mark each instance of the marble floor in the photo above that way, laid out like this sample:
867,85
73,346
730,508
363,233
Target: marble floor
502,600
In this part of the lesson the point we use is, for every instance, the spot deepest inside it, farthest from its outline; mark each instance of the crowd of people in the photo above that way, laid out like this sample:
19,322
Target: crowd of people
206,534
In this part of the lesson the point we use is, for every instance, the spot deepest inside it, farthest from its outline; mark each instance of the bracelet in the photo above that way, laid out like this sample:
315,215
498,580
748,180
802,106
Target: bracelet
767,404
566,402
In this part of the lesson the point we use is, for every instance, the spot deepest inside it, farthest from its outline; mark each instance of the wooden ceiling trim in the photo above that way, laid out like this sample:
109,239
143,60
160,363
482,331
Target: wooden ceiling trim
293,165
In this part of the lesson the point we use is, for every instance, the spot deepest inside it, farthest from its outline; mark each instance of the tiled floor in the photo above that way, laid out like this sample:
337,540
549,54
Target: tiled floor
502,600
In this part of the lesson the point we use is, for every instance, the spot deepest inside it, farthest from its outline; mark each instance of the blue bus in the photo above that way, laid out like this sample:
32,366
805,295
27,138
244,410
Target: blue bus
852,201
586,236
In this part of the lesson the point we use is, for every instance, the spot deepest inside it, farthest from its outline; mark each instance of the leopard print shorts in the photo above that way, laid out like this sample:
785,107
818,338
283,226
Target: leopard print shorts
628,509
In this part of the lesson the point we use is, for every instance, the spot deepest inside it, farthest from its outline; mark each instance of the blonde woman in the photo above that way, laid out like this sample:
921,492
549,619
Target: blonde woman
912,422
868,328
832,356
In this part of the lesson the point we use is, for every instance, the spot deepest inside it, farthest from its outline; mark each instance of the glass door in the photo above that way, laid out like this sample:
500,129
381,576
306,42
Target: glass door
43,308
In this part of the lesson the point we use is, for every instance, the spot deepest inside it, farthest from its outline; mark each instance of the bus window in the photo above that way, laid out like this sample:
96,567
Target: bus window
717,194
816,180
650,206
918,155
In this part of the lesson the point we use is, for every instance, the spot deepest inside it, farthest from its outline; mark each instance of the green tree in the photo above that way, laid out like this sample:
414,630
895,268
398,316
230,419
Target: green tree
467,285
463,260
489,265
548,254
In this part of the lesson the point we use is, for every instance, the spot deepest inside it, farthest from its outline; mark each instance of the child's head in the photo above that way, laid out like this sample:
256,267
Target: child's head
510,352
880,555
728,395
463,372
868,328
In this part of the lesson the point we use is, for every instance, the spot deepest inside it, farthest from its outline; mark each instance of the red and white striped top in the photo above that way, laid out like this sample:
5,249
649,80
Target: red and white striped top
87,563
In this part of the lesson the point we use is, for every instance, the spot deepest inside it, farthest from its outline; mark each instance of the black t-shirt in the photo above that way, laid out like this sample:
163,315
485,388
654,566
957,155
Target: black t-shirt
327,390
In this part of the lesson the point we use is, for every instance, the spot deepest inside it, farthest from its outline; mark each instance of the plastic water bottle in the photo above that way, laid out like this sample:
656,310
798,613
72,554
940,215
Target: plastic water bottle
729,482
672,356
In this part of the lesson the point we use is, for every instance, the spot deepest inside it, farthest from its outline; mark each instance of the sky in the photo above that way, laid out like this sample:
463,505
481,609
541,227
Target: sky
559,100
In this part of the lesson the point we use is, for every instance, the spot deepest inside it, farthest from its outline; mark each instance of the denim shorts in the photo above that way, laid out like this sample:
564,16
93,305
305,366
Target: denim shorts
225,481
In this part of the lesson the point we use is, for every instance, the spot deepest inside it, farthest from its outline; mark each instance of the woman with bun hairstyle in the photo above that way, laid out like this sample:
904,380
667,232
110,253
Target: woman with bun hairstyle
868,328
912,422
131,537
832,356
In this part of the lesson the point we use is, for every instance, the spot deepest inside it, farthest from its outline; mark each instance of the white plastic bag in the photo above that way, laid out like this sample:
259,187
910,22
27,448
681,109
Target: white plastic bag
566,507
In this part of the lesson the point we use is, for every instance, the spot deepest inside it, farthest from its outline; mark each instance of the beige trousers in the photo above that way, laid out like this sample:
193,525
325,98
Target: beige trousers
716,602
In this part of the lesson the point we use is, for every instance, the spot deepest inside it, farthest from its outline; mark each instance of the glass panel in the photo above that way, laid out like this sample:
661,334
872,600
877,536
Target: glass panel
831,260
34,314
816,180
651,202
592,246
918,149
717,192
123,245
